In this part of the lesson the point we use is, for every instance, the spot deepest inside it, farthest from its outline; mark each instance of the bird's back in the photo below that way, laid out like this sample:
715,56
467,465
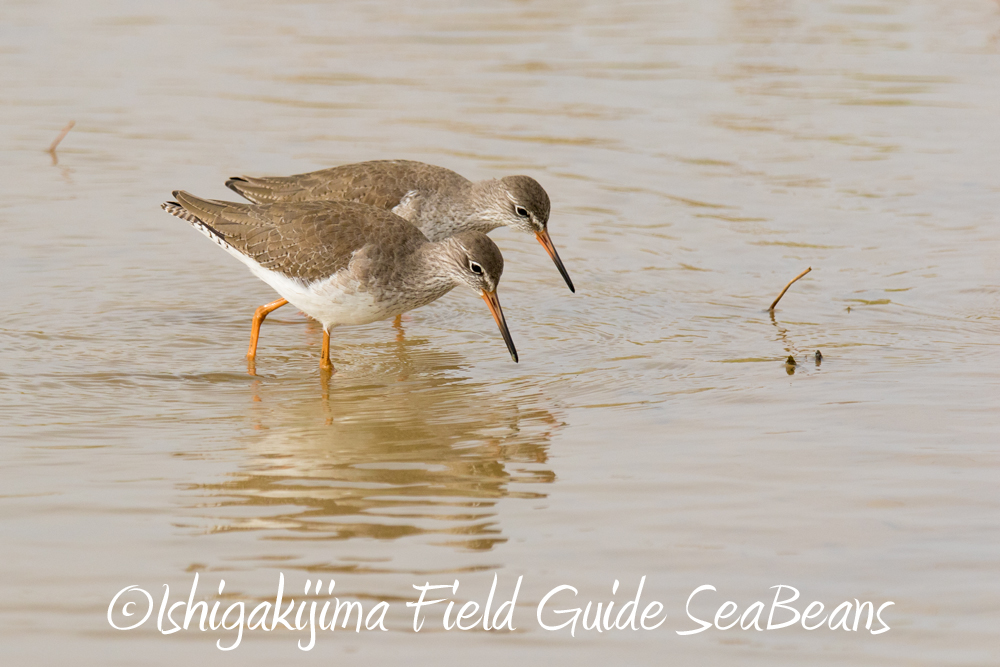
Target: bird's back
379,183
305,241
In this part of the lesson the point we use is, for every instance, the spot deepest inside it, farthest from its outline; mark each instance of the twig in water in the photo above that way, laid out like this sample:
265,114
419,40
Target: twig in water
62,135
787,286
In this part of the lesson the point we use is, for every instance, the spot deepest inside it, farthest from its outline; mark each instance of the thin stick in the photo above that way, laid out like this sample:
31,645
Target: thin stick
62,135
787,286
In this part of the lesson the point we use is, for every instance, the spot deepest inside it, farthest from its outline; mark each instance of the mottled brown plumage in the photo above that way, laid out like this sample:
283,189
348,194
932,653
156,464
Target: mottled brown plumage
307,241
437,200
381,183
344,262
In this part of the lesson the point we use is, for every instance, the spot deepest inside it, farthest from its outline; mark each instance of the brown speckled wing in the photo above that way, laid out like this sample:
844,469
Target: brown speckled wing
308,241
381,183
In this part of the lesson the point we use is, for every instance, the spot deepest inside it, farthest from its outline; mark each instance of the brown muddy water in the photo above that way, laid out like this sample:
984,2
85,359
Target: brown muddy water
698,156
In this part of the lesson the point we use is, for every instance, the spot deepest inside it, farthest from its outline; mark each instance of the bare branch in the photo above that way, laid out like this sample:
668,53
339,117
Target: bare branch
62,135
786,288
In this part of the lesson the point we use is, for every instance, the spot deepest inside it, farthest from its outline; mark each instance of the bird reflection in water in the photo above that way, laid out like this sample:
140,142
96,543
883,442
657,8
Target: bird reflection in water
411,447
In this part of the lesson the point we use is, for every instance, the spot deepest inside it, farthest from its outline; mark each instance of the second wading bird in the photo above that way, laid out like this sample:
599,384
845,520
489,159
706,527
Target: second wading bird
347,263
437,200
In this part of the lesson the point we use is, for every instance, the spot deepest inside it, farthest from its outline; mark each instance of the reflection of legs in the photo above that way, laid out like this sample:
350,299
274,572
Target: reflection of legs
397,324
324,355
258,319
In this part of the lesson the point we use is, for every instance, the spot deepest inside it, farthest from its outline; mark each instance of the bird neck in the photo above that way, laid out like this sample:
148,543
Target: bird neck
431,266
482,206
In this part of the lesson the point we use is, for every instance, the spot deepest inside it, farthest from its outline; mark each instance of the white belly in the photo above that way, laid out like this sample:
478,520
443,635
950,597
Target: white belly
340,299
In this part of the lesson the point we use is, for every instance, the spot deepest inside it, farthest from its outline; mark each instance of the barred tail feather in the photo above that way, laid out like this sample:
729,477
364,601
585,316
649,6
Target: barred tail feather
175,209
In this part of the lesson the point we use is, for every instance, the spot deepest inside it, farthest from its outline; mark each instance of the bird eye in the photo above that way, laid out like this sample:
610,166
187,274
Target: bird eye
475,268
521,211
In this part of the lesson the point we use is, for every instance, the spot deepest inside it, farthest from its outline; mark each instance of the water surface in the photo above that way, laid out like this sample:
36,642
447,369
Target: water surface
698,156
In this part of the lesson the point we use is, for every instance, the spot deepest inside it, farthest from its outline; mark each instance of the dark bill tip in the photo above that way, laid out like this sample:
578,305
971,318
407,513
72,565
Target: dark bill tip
494,305
546,241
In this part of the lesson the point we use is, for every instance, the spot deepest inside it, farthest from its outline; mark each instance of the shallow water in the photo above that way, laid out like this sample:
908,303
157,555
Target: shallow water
698,156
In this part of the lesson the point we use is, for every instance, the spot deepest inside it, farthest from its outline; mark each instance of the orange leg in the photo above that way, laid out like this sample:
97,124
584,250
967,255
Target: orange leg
398,322
324,355
258,319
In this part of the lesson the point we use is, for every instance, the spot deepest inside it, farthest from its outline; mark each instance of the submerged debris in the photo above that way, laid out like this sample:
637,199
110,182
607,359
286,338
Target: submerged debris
790,365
